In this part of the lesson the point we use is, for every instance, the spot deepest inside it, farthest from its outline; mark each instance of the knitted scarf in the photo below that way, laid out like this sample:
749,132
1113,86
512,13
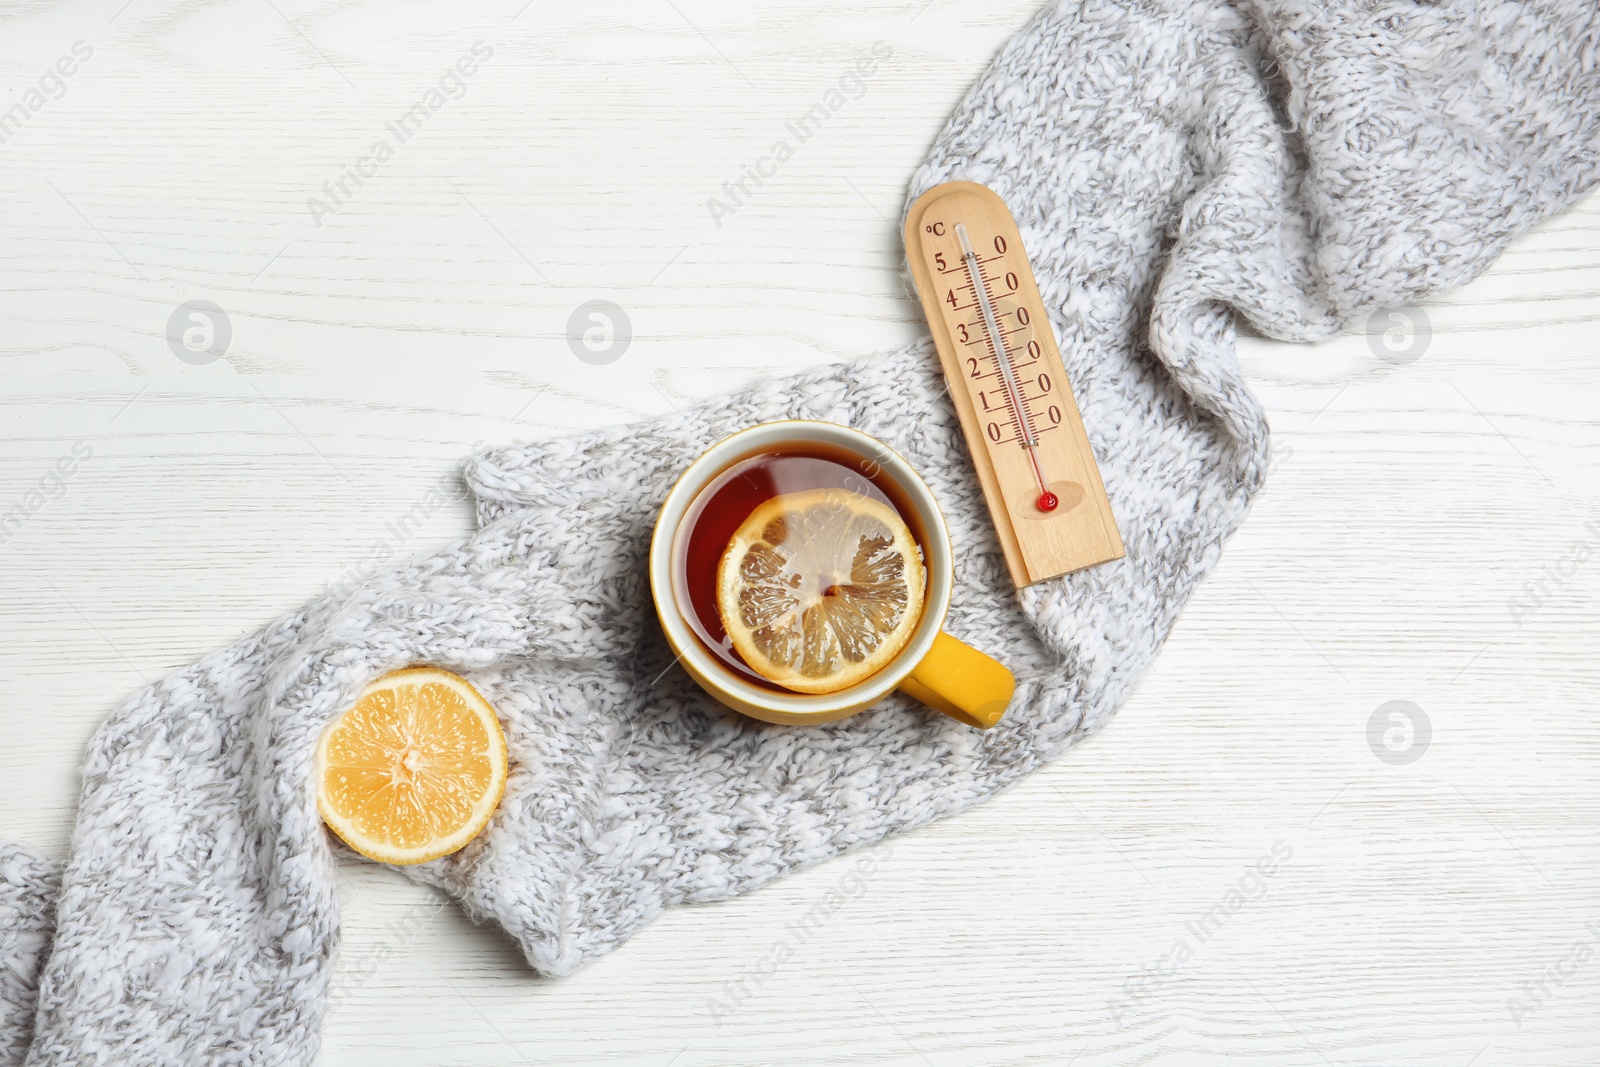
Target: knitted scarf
1172,164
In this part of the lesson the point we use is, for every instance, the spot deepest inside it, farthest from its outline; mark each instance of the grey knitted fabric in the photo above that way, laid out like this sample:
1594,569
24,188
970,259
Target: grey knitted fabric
28,888
1170,164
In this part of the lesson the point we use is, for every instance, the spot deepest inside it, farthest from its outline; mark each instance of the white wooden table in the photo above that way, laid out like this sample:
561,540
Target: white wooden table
1414,908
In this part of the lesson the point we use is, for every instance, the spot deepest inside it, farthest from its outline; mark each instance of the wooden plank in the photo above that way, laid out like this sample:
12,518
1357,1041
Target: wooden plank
1407,506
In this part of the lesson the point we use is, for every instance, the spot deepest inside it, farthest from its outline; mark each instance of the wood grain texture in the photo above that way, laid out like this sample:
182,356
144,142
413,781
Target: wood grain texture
1413,507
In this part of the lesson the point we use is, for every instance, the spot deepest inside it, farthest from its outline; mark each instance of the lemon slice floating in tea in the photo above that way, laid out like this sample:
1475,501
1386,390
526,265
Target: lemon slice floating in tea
414,769
820,590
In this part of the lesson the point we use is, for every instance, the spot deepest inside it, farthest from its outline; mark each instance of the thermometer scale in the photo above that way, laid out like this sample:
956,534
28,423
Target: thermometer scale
1010,388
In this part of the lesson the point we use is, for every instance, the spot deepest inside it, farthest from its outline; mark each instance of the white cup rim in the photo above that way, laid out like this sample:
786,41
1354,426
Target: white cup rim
710,672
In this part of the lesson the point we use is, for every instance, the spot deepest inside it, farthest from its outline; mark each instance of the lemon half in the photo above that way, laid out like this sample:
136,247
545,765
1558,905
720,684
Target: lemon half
414,769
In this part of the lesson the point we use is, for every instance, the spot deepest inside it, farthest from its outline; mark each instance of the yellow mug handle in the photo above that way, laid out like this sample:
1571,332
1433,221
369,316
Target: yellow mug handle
962,682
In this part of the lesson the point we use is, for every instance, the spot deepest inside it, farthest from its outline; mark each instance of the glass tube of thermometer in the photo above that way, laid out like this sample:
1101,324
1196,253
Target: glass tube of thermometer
1020,415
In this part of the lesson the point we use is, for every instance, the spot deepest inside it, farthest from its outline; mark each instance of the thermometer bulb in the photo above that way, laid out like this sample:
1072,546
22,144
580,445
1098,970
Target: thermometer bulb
1048,501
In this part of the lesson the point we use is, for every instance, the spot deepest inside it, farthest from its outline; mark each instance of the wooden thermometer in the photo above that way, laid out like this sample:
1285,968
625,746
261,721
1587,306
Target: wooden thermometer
1010,389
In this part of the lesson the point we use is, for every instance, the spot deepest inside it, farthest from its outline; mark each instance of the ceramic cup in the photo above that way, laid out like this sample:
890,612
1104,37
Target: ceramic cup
933,667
